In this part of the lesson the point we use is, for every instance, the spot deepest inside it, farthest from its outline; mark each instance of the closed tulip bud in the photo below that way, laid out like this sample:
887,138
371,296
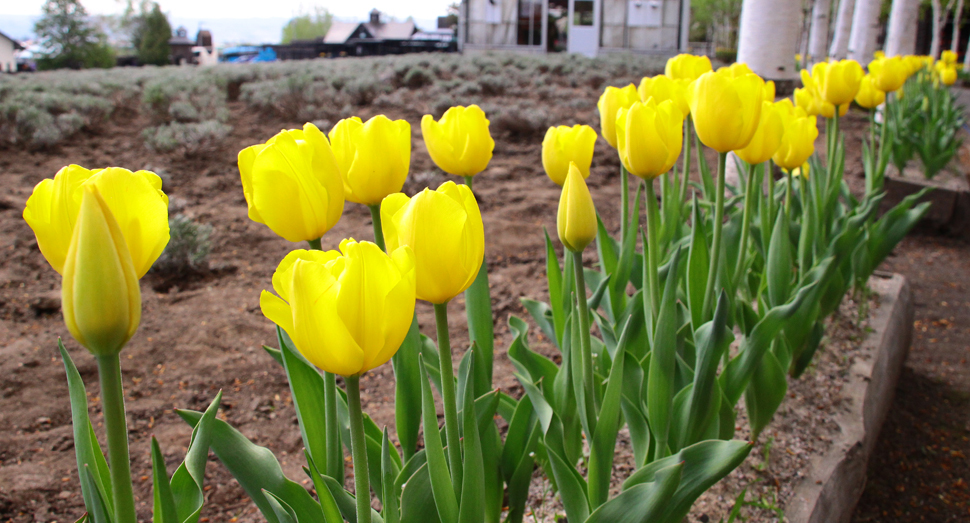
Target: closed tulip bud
837,82
563,145
662,88
913,63
769,91
798,140
948,57
292,184
947,73
726,109
100,296
811,101
576,221
347,312
135,199
879,54
373,157
870,96
611,101
807,102
444,229
687,67
459,143
649,137
888,74
767,139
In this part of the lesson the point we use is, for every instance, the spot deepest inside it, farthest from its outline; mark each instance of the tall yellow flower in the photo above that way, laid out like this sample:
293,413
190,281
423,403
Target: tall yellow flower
870,96
662,88
726,109
444,229
611,101
888,74
563,145
810,99
347,312
837,82
949,58
374,157
736,69
459,143
913,63
649,136
946,72
687,67
576,221
767,139
136,201
292,184
100,296
798,140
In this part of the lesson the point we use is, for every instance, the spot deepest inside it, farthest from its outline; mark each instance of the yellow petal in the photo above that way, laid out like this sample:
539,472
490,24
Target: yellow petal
576,221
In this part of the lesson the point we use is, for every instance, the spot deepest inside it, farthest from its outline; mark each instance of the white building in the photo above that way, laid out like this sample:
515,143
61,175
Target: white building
589,27
8,62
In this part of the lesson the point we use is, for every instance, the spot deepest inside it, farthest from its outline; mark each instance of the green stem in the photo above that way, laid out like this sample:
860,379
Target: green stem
448,395
624,202
469,180
745,224
315,244
652,250
375,215
718,225
358,449
770,174
688,133
788,191
585,347
116,427
883,136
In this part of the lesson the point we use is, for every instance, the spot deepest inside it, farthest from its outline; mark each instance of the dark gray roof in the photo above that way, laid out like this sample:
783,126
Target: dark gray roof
16,44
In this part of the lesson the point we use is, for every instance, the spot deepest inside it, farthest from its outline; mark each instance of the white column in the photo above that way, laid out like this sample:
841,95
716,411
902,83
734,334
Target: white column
843,25
684,44
901,35
768,37
818,37
865,27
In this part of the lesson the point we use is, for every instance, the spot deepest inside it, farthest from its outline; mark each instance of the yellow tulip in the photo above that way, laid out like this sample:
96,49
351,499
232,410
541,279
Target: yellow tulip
563,145
888,74
947,73
913,63
687,67
100,296
767,139
459,143
808,102
292,184
879,54
736,69
611,101
444,229
811,101
135,200
726,109
804,170
662,88
347,312
837,82
948,57
649,136
373,157
870,96
769,91
798,140
576,221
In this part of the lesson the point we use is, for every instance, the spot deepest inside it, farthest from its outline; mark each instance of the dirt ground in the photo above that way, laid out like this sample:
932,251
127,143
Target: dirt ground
204,334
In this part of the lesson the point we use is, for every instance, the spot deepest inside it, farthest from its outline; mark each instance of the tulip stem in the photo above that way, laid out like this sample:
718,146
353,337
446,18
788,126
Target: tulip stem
315,244
585,346
883,136
788,193
653,250
358,449
468,182
688,133
624,202
116,427
448,395
745,225
718,225
375,215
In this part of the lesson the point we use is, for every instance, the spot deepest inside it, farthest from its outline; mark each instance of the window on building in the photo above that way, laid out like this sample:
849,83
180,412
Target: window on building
529,22
583,12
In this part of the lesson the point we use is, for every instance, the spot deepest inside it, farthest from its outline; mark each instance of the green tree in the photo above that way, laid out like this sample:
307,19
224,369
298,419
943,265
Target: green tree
72,41
716,21
308,26
151,37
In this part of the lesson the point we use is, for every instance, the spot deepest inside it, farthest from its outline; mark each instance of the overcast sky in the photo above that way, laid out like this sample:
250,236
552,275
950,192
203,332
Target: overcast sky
352,10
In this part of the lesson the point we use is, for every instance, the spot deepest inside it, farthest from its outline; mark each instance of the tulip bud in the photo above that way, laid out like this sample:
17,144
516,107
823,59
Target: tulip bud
766,139
687,67
444,229
888,74
870,96
649,137
563,145
374,157
610,102
798,140
347,312
837,82
576,221
460,142
292,184
662,88
101,299
726,109
948,73
949,58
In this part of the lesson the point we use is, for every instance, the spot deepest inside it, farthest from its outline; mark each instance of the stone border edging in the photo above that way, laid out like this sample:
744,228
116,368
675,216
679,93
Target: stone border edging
836,479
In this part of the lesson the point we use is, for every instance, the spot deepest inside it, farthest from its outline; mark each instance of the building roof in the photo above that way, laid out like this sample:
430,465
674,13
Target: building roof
391,30
16,44
341,32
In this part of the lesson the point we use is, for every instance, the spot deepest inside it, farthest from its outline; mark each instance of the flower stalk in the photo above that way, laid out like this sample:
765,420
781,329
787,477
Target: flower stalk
116,427
358,449
448,395
718,225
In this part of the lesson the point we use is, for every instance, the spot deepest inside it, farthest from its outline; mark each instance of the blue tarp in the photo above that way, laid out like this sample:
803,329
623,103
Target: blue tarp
247,54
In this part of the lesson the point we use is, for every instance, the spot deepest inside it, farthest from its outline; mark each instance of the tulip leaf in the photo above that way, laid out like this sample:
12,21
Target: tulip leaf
601,284
544,317
642,503
478,308
698,263
86,447
164,503
328,505
275,353
603,447
663,362
554,276
99,510
440,477
345,502
712,340
536,366
417,502
283,511
187,482
472,506
406,363
389,470
765,393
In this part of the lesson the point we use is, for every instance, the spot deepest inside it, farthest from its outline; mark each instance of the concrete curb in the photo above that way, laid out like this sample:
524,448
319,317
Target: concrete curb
835,480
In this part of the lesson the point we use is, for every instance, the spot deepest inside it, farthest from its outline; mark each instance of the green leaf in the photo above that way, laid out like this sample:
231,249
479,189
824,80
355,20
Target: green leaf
99,510
406,363
478,308
282,510
188,480
417,502
698,264
440,477
389,511
660,380
542,313
472,507
345,502
643,503
164,504
712,340
536,366
765,393
328,505
779,269
554,277
603,447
